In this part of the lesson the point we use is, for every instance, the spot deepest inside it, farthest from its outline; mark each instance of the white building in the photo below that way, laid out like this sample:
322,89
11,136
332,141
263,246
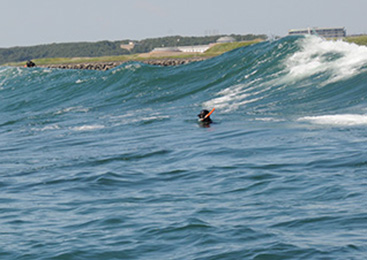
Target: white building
226,39
128,47
166,49
194,48
339,32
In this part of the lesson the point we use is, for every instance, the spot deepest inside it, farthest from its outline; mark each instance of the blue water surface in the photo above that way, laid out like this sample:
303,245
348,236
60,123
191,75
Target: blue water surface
114,165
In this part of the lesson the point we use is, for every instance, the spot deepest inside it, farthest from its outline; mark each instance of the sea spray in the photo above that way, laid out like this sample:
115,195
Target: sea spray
341,60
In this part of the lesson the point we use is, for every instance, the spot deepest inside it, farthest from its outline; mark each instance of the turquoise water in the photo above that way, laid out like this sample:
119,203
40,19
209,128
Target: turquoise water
113,165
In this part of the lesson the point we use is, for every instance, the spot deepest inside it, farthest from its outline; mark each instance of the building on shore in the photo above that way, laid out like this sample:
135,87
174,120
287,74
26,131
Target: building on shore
166,49
338,32
226,39
128,46
195,48
190,49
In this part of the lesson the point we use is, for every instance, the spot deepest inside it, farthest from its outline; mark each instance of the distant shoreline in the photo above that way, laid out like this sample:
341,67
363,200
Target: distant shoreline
153,58
159,59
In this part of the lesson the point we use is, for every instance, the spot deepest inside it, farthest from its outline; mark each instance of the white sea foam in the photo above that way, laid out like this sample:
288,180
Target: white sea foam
337,120
269,119
80,81
150,118
234,97
131,67
87,127
47,128
72,109
341,59
133,117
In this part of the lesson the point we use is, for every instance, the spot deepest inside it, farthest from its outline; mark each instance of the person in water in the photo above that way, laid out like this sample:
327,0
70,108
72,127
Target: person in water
204,118
30,64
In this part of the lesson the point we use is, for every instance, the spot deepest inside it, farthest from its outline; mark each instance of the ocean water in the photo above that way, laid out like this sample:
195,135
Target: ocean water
114,165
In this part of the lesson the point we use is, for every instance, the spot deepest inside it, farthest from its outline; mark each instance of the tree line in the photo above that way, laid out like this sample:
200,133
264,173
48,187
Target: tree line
107,48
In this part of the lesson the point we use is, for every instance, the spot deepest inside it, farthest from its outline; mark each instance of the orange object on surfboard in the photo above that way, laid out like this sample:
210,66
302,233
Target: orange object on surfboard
211,112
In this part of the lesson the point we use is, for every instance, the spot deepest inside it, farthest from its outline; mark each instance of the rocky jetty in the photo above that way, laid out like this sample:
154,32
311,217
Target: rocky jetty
84,66
110,65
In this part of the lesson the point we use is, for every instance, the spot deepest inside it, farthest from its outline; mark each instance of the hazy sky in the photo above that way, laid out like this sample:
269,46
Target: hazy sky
32,22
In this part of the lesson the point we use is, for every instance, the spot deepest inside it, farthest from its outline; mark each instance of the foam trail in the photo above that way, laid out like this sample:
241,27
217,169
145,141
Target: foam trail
337,120
235,96
87,127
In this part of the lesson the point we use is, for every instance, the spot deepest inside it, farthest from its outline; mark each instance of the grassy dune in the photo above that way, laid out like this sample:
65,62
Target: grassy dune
48,61
360,40
225,47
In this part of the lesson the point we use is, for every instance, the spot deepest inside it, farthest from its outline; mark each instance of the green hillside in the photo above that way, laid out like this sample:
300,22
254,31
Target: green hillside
105,48
360,40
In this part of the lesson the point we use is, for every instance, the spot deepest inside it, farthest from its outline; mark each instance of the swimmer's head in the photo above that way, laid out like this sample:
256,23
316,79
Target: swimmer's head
203,116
